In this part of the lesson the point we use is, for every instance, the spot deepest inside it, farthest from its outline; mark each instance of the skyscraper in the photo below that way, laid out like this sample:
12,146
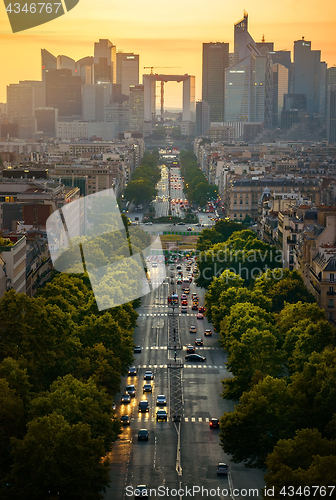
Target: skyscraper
331,114
215,61
65,62
85,69
48,61
105,62
280,88
94,99
127,71
245,80
308,75
63,91
202,117
136,108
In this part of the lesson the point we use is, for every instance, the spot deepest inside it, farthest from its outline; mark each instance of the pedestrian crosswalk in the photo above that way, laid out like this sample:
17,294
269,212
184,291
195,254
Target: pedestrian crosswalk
164,347
184,419
184,366
144,315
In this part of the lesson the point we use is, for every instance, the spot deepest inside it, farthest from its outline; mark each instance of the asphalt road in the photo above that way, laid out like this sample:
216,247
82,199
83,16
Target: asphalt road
157,462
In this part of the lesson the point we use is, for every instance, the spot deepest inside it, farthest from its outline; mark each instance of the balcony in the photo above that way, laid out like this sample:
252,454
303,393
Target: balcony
331,293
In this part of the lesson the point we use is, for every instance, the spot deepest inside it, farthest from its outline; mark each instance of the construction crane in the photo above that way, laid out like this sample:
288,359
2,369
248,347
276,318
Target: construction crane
162,83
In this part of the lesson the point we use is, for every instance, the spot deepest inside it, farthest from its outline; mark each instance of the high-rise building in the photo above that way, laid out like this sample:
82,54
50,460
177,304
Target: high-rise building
65,62
85,69
46,121
331,114
215,61
284,57
63,91
105,62
280,88
127,71
202,117
331,75
136,108
118,113
309,75
245,80
94,99
24,97
48,61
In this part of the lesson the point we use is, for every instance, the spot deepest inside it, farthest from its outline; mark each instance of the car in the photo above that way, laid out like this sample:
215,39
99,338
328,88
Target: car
161,415
193,329
195,357
207,333
148,375
222,469
148,223
130,389
201,309
178,267
184,310
141,491
180,224
179,272
137,349
198,342
184,297
199,316
194,307
190,349
125,399
194,296
179,281
143,435
189,228
132,371
143,406
187,290
125,420
188,268
184,303
147,388
161,400
154,264
190,278
214,423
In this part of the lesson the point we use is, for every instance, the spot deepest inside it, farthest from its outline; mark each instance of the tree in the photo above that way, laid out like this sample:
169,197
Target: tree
306,460
79,402
265,415
283,286
243,317
56,457
251,359
227,280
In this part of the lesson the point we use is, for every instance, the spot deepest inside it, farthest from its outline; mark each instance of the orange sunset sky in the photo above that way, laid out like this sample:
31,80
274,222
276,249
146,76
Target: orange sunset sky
164,33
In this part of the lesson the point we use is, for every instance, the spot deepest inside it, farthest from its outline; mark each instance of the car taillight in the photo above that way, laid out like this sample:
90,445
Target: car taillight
211,424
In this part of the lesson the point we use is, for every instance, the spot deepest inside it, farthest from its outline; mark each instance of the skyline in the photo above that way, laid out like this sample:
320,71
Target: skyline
177,42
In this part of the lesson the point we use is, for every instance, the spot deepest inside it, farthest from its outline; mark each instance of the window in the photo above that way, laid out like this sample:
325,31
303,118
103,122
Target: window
331,289
332,277
331,316
331,303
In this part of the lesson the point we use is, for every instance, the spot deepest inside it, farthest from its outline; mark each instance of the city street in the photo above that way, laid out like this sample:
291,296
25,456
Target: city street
156,462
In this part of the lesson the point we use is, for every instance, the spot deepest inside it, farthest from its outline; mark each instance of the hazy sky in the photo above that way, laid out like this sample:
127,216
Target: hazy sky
164,33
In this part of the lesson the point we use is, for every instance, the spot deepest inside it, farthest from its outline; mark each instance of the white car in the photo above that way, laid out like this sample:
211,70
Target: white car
161,400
